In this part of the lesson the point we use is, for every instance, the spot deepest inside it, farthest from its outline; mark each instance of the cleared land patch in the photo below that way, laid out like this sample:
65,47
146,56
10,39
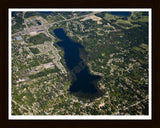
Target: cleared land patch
39,39
94,18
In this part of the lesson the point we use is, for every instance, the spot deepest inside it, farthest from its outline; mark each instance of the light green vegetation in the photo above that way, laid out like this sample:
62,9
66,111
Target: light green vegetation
126,24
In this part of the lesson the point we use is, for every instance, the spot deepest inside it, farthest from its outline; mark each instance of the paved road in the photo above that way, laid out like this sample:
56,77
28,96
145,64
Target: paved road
21,106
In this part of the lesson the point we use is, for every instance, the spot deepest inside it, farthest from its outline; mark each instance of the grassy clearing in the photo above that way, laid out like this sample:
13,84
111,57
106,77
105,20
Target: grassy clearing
139,49
123,23
144,46
34,50
110,17
126,24
39,39
52,19
18,41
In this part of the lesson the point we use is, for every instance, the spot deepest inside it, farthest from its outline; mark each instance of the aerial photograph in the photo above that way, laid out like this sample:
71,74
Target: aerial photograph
77,62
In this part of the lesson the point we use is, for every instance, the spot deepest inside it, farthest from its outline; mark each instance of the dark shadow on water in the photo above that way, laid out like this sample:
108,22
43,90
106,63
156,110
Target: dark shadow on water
84,84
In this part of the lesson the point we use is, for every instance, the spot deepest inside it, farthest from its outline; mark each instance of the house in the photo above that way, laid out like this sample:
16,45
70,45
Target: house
19,38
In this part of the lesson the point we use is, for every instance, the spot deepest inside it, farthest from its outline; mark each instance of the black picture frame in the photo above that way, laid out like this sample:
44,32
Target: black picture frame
5,5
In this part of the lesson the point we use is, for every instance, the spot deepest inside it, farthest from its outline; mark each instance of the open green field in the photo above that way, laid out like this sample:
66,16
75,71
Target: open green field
34,50
39,39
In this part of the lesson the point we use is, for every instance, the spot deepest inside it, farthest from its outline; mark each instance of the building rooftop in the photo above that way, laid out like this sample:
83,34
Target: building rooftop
18,38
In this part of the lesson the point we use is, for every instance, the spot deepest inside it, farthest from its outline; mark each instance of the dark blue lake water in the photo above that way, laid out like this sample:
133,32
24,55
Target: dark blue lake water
83,12
82,80
45,12
121,13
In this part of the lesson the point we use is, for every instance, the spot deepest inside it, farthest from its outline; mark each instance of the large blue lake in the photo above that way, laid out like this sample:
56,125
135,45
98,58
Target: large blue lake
45,12
82,81
120,13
